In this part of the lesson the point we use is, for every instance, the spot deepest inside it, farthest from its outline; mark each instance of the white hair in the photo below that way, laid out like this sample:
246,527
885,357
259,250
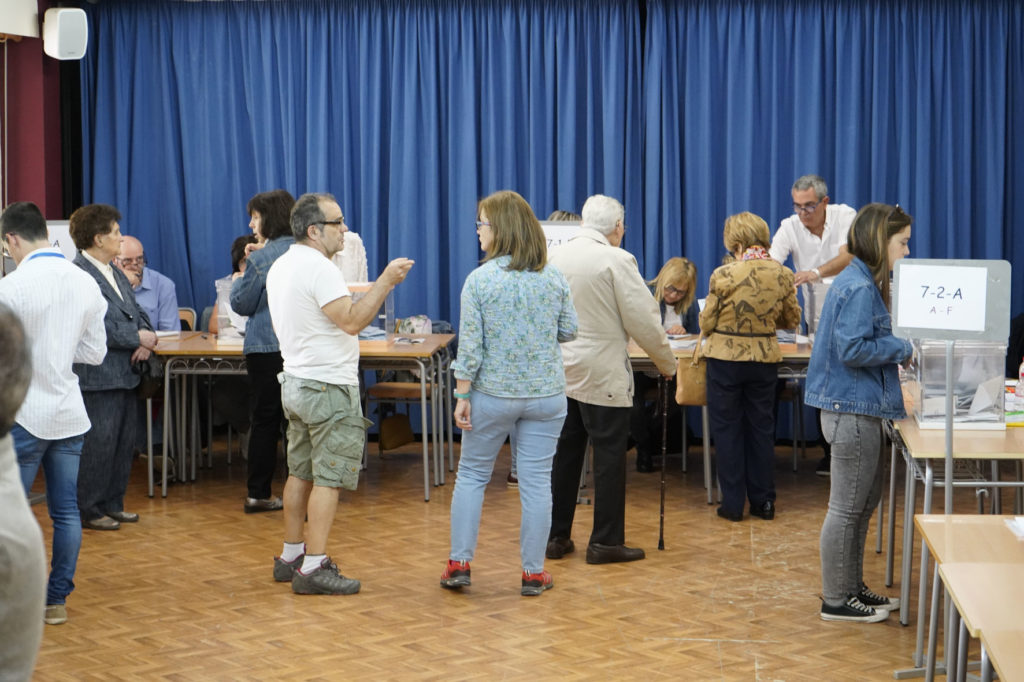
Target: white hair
602,213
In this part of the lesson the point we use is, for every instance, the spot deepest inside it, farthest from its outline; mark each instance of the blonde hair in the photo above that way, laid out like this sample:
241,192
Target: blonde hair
744,230
516,231
681,274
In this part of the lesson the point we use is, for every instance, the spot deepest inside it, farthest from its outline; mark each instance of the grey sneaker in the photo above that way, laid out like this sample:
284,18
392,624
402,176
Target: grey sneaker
324,580
285,570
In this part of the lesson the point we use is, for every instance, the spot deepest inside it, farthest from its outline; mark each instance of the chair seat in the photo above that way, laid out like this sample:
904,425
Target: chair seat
397,390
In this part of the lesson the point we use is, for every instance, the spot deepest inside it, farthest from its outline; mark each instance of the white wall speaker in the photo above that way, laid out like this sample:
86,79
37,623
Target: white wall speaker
65,33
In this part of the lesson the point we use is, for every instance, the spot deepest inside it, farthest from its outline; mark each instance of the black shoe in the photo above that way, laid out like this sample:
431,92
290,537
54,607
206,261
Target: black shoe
852,610
612,554
124,517
559,547
646,463
824,467
727,515
766,510
877,601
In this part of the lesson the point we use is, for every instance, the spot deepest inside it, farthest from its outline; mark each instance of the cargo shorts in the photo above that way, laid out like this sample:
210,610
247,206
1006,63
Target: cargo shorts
326,431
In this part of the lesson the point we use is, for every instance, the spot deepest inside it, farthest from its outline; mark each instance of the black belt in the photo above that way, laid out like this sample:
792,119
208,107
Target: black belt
744,334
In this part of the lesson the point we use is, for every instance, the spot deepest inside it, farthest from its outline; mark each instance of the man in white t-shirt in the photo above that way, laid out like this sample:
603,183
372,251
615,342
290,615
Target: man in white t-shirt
317,325
815,236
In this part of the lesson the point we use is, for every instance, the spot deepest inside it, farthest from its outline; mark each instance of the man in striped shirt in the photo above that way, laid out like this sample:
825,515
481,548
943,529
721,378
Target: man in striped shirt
62,310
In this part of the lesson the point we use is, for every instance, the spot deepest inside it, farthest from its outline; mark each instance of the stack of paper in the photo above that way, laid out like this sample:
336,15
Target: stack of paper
1016,525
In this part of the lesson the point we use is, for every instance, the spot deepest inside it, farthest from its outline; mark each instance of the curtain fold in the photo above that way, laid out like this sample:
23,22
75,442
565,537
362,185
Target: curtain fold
409,111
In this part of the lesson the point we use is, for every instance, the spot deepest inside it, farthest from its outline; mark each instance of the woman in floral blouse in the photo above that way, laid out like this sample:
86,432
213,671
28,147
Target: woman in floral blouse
516,309
747,300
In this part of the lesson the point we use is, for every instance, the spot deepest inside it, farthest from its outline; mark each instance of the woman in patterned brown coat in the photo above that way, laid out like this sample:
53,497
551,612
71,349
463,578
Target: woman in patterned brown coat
747,300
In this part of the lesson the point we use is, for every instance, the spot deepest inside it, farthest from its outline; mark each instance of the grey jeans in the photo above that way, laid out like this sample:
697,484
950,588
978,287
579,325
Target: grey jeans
855,490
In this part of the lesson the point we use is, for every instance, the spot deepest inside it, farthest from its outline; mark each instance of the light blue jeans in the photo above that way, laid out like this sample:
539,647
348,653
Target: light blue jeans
856,486
59,459
535,423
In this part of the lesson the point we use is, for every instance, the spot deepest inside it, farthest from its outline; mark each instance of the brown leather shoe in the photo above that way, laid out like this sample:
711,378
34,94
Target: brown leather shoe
611,554
559,547
124,517
102,523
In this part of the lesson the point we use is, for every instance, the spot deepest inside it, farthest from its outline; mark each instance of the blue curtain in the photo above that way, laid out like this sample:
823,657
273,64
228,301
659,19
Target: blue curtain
408,112
919,102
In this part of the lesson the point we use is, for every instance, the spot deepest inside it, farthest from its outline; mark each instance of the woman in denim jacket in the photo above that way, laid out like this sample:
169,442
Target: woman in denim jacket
269,220
854,379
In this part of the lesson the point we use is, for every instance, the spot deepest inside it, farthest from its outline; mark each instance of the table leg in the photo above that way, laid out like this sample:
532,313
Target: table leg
891,544
907,557
961,652
952,630
149,443
707,453
933,627
929,479
423,427
686,443
986,665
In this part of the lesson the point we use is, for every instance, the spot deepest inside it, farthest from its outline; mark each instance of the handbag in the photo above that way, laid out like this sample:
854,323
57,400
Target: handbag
151,377
691,377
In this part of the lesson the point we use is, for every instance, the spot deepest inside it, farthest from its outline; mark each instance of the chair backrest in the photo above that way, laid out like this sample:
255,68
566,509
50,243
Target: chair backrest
188,318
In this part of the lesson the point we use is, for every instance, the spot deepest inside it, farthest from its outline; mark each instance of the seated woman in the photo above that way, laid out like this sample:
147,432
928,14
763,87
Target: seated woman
675,290
747,300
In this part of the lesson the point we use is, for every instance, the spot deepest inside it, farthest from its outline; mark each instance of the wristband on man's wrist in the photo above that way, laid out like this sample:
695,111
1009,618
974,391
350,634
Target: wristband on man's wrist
461,396
817,272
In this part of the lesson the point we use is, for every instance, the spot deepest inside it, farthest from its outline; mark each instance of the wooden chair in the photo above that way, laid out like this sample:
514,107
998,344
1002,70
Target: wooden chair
188,319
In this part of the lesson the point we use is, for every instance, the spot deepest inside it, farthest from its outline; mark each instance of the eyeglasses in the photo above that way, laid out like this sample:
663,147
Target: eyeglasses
7,253
896,212
138,260
669,289
340,221
807,208
481,223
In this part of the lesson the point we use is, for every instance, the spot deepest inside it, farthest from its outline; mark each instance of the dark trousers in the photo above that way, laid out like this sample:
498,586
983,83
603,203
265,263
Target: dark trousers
107,451
741,405
267,418
608,429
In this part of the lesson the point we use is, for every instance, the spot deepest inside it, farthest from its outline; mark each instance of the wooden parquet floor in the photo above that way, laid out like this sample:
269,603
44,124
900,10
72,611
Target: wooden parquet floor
187,593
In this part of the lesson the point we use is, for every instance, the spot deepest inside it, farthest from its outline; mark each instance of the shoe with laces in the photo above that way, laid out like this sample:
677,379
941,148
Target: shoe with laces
284,571
877,601
456,575
536,583
853,610
325,579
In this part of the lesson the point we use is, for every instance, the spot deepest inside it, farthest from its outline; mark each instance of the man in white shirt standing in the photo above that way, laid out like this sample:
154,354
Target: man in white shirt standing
62,310
815,236
317,325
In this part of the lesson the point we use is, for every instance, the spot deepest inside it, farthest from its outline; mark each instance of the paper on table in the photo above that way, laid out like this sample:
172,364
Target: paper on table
167,333
989,394
682,342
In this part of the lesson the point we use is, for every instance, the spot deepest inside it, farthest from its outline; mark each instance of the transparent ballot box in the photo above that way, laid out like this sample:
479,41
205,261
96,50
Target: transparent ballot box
978,384
384,325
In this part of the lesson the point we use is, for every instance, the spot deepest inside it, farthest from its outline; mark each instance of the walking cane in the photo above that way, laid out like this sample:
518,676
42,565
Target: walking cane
664,445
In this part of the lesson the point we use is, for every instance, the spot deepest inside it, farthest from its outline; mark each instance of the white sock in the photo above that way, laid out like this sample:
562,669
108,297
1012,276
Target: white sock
292,551
311,563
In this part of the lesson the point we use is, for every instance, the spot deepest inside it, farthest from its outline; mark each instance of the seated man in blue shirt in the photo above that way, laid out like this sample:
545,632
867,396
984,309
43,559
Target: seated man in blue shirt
154,292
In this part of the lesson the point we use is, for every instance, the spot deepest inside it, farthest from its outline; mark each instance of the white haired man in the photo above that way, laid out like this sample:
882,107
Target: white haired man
613,305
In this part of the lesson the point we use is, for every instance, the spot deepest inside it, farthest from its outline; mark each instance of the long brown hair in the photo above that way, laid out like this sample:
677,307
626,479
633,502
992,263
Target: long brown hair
869,237
516,231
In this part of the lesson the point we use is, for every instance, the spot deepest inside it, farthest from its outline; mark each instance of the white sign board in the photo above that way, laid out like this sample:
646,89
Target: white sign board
60,237
559,232
951,299
942,297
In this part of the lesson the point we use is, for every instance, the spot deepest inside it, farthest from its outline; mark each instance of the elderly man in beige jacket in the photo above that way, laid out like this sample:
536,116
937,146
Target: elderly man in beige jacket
613,304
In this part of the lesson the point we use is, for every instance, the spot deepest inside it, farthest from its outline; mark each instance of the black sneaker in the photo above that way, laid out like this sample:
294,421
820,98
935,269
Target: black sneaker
877,601
824,467
853,610
456,575
324,580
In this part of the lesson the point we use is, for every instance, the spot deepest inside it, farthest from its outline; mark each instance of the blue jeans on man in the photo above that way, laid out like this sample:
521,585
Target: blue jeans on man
60,460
